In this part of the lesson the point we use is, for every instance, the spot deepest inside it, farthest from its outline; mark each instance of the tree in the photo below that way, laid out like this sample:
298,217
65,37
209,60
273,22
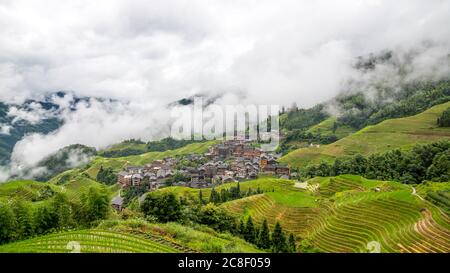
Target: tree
166,207
214,196
335,126
200,197
249,233
25,226
216,217
241,228
291,244
278,239
224,195
440,169
44,220
444,119
62,211
95,205
170,208
106,176
264,236
180,177
8,224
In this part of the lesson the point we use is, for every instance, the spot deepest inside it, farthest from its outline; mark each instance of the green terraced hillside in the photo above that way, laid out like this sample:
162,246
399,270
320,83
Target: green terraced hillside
73,186
348,212
325,128
388,135
26,190
89,241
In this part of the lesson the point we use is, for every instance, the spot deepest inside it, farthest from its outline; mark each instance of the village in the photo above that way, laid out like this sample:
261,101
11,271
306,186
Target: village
229,161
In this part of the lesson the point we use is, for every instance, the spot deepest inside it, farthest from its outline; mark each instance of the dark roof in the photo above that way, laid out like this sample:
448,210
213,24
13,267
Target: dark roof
117,201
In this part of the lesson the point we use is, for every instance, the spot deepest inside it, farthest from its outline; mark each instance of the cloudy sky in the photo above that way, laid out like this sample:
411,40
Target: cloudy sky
149,53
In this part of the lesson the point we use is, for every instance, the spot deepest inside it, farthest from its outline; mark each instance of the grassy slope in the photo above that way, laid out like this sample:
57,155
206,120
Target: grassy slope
120,162
325,128
195,238
390,134
347,213
89,241
338,214
25,190
126,145
31,191
135,236
278,189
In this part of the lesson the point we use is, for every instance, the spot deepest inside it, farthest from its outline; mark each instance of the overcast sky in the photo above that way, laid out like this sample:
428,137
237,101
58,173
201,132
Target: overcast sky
165,50
149,53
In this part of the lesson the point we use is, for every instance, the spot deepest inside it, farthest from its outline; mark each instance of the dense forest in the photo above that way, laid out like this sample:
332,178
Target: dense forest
20,220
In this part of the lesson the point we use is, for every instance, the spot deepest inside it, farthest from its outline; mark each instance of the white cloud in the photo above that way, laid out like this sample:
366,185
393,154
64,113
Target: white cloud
33,114
5,129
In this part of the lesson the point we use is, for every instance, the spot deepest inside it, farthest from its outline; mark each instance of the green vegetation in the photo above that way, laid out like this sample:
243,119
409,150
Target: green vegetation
387,182
230,193
302,118
358,111
164,206
66,158
188,238
279,189
305,126
26,190
20,220
106,176
388,135
350,212
88,241
326,132
331,127
437,193
137,147
444,119
422,162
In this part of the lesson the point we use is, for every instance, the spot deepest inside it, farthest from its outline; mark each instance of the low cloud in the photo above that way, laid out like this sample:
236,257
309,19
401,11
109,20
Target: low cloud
5,129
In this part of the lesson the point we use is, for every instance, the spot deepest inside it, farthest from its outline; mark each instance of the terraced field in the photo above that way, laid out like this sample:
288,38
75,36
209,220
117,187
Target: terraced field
90,241
79,184
38,193
387,135
351,212
299,220
25,190
325,128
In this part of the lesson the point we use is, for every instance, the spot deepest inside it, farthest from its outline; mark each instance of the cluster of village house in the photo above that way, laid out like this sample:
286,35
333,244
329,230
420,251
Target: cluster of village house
229,161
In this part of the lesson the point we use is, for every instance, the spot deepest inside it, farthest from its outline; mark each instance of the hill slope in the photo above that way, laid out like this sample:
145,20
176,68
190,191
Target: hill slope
388,135
96,241
348,212
325,128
